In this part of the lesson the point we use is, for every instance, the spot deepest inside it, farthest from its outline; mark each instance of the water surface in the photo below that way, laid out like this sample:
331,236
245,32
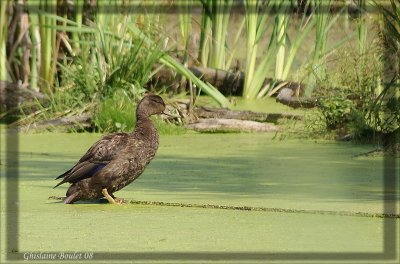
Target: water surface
221,169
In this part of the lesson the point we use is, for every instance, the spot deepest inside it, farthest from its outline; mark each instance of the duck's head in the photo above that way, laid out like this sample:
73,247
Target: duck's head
150,105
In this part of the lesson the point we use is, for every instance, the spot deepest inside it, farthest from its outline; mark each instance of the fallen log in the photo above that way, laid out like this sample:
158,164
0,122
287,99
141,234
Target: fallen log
227,82
231,83
77,122
207,120
230,125
224,113
287,97
12,95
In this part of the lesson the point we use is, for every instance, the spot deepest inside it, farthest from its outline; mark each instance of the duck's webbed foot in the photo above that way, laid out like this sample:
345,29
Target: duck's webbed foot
109,198
117,200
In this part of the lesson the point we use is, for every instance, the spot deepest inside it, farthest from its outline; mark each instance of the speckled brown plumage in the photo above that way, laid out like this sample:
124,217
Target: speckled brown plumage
116,159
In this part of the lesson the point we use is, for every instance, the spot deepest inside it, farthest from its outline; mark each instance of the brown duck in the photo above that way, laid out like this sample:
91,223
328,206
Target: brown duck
116,159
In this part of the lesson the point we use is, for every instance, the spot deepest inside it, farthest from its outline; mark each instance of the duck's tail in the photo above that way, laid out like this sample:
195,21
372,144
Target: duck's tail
58,184
64,174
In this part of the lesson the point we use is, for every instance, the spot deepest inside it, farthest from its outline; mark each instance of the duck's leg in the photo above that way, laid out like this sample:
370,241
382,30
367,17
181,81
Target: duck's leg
108,197
72,198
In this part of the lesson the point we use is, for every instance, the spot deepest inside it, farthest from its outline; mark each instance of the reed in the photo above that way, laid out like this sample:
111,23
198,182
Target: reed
78,8
259,18
205,32
305,26
307,23
47,44
362,28
215,23
185,26
324,23
281,21
233,50
321,32
3,40
220,18
35,40
252,20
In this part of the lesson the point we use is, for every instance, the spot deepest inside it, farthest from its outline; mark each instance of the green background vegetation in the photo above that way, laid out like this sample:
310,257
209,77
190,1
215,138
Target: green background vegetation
80,58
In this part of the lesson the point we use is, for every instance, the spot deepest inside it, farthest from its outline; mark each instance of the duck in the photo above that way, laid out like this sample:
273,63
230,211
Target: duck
117,159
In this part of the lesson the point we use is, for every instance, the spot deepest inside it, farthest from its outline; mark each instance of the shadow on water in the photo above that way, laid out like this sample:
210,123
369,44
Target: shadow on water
252,175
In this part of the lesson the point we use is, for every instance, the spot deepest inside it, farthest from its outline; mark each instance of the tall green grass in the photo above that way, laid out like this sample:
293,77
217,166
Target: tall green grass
108,47
367,104
179,68
110,60
325,20
114,57
110,37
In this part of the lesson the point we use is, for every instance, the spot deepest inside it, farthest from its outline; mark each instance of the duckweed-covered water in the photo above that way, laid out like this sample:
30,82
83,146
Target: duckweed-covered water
220,169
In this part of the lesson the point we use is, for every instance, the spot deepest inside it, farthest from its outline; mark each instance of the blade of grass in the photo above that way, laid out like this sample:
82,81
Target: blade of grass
303,33
205,32
48,44
281,21
185,27
78,8
35,38
207,88
220,13
322,11
252,45
257,20
235,43
3,39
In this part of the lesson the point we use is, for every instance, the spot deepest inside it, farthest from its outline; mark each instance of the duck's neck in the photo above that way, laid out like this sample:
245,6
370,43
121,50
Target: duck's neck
146,130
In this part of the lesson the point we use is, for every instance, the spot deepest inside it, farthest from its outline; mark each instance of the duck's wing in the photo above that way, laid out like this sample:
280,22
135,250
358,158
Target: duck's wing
96,158
106,148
